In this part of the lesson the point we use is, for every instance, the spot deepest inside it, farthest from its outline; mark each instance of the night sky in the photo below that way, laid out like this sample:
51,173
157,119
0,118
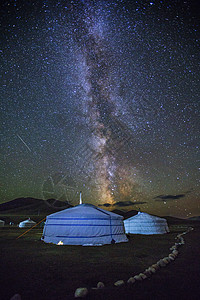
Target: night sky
102,97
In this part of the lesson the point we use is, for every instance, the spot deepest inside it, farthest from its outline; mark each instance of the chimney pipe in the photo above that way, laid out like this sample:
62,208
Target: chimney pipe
80,198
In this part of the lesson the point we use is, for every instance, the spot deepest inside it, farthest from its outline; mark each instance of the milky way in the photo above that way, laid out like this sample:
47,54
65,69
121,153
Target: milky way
103,97
100,106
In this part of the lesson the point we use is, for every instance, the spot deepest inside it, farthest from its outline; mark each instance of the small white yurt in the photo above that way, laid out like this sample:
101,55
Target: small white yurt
143,223
2,223
27,223
84,224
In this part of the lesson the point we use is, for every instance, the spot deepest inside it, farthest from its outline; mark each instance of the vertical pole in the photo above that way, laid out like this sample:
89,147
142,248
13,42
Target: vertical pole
80,198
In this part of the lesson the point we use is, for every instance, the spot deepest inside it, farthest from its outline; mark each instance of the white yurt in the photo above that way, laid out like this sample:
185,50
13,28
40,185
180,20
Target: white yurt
143,223
2,223
27,223
84,224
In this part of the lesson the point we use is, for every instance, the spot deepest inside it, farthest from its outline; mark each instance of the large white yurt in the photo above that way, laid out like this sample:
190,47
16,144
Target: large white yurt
84,224
27,223
2,223
143,223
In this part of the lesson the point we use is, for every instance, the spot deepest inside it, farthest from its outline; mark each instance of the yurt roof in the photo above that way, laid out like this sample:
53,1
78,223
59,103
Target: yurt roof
85,209
27,221
144,216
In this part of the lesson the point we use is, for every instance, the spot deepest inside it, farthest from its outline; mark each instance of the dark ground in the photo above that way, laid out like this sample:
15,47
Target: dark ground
37,270
178,280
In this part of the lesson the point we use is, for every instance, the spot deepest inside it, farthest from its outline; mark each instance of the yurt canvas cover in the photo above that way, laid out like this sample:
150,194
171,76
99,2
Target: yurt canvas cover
27,223
2,223
143,223
84,224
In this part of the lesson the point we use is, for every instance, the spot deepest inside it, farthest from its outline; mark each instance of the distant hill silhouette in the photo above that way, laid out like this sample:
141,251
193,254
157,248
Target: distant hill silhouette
173,220
118,212
197,218
125,214
130,213
31,206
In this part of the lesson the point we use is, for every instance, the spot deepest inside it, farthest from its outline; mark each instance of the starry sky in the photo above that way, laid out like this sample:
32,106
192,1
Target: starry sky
102,97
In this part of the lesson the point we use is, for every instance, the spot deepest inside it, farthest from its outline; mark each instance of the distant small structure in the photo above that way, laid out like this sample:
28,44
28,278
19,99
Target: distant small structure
27,223
2,223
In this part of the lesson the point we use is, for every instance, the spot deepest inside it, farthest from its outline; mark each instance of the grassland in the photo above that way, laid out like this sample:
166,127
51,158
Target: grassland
37,270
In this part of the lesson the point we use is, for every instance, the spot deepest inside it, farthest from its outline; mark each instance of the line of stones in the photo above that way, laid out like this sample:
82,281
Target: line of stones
83,291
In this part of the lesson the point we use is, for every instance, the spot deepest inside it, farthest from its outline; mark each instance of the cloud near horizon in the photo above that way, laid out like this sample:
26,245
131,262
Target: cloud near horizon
169,197
105,204
123,203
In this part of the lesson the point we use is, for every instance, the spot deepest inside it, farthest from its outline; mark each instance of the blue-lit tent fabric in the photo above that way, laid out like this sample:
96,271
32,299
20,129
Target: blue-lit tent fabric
143,223
2,223
27,223
84,224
